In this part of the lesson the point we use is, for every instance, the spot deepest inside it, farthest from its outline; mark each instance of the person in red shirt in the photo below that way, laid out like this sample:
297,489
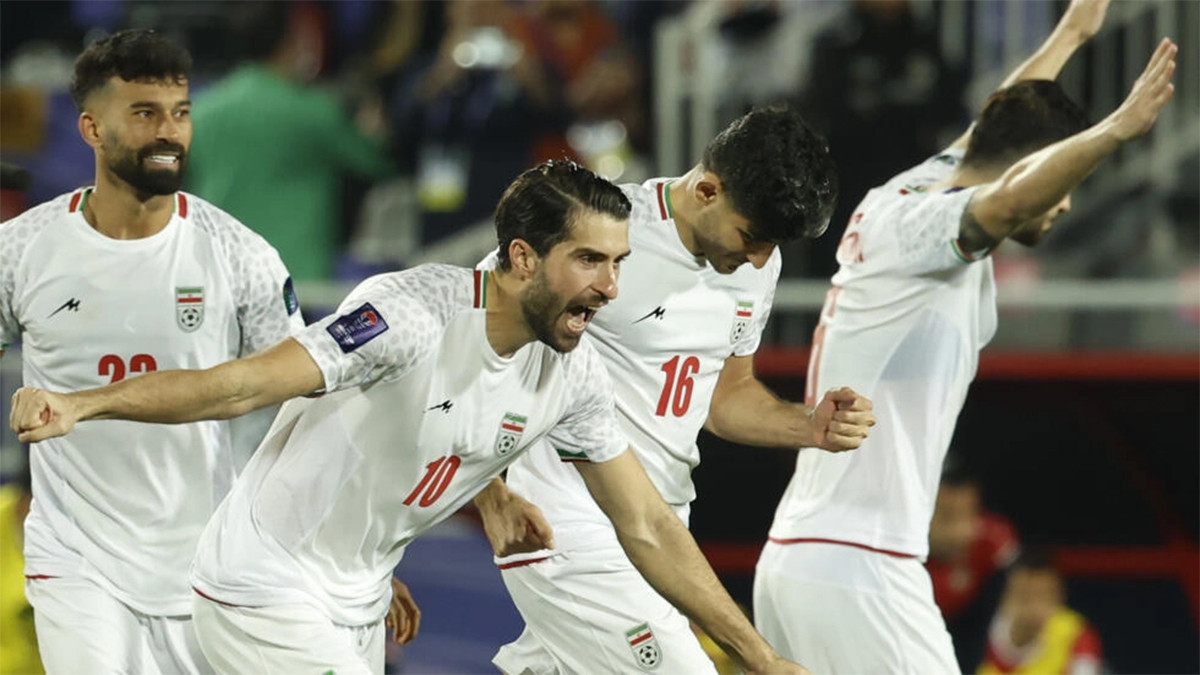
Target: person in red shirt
969,548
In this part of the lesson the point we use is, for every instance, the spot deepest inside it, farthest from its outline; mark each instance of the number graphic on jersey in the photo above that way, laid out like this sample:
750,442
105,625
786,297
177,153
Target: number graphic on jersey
438,475
818,342
678,395
112,366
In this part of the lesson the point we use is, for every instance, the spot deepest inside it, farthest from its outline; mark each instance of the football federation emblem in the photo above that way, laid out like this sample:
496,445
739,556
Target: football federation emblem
645,647
741,319
189,307
511,428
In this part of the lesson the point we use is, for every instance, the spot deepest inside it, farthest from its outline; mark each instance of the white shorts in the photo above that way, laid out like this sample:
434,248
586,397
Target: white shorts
841,609
285,639
82,628
592,612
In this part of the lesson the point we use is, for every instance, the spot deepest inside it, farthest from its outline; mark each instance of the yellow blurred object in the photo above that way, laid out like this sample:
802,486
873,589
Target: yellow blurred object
722,661
18,643
22,120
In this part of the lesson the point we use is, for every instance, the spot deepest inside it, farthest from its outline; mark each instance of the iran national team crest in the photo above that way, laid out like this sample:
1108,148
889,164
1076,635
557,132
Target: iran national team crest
511,428
741,319
645,647
189,307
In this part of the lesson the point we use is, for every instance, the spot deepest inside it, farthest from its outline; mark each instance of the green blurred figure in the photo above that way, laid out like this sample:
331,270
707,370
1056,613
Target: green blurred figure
270,149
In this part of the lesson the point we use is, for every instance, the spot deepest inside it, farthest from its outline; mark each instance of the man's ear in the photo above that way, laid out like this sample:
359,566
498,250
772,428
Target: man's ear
524,259
708,188
89,129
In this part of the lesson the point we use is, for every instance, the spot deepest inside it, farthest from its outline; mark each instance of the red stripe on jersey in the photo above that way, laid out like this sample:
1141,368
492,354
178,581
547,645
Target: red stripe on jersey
39,576
894,554
190,300
75,201
743,313
480,289
662,203
212,599
511,427
519,563
574,459
182,205
640,640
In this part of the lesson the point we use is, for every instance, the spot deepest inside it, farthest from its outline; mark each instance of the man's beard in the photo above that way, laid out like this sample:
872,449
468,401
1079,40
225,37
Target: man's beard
130,167
541,308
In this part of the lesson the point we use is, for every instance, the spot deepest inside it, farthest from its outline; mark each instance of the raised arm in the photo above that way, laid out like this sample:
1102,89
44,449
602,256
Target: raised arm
173,396
744,411
1079,23
1036,183
664,552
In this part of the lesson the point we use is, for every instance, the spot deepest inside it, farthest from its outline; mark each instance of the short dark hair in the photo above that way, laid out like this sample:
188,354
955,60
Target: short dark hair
777,173
1022,119
133,56
542,204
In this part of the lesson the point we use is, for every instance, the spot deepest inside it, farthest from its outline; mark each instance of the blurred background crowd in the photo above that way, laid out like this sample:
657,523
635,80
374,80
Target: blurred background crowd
361,136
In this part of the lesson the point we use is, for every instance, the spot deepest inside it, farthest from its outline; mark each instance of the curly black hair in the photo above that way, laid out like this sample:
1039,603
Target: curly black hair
1022,119
777,172
541,205
133,56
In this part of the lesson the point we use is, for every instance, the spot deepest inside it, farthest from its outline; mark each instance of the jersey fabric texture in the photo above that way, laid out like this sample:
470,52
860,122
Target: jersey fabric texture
664,340
120,503
419,413
903,326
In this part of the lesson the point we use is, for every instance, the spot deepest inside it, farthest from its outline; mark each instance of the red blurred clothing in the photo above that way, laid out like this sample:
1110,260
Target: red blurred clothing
956,583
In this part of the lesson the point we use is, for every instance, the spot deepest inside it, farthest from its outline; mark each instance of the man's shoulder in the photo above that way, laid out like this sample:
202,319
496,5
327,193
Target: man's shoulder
20,231
440,290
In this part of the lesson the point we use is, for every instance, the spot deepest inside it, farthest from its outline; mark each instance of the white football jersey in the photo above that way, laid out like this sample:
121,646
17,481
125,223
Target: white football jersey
420,414
903,325
664,341
123,503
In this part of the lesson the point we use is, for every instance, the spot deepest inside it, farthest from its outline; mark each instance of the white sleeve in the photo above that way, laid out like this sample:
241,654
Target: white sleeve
379,332
750,339
589,428
15,237
267,308
919,235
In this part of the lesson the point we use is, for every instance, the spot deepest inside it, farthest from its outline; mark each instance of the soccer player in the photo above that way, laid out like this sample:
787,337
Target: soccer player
434,380
679,344
104,284
840,583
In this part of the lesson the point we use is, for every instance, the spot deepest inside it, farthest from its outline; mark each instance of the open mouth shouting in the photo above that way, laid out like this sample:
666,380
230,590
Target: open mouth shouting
578,317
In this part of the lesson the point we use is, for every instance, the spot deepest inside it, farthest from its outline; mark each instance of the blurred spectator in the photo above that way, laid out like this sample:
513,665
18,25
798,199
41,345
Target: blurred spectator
1034,631
271,149
884,95
18,644
968,549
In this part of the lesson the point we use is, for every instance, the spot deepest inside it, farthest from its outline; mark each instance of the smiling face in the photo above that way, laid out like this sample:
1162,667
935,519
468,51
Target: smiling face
574,279
727,240
141,132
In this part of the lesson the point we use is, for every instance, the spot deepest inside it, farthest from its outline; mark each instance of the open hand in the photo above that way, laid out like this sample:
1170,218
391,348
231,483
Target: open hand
404,617
1150,93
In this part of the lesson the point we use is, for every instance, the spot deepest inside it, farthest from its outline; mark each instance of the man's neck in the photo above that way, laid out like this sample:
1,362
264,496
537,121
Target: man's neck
966,177
116,211
505,324
683,207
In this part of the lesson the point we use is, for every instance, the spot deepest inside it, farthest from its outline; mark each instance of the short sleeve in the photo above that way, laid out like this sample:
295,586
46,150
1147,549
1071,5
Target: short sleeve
751,337
919,234
15,238
589,428
268,309
378,333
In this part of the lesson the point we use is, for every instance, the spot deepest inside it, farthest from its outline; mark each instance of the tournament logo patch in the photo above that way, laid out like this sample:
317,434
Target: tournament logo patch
189,307
742,314
645,647
357,328
511,428
290,301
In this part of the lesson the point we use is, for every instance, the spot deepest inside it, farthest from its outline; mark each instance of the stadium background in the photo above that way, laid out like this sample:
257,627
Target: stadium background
1083,424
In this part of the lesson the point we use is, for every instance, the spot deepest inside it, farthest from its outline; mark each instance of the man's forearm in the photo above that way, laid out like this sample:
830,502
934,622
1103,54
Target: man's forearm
751,414
166,397
668,557
1048,61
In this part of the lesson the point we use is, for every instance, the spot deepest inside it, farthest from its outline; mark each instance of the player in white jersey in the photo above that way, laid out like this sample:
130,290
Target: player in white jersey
434,380
107,283
681,337
840,584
